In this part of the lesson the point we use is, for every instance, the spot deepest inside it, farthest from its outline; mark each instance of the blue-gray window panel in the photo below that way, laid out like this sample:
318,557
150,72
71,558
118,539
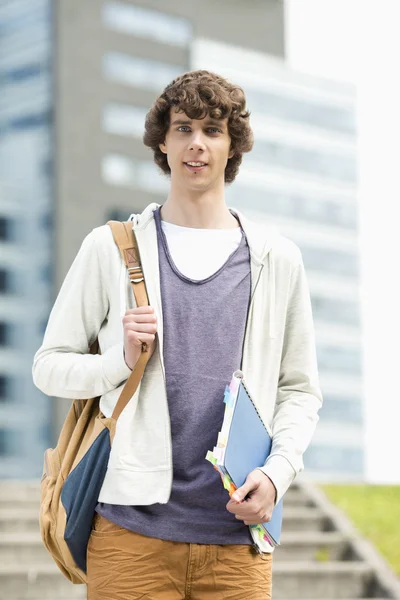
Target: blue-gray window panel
335,118
335,358
349,410
331,261
4,387
8,441
26,122
313,162
297,206
22,73
40,15
335,459
334,310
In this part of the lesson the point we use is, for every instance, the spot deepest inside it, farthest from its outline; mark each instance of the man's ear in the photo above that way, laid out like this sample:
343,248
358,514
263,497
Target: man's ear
231,154
163,148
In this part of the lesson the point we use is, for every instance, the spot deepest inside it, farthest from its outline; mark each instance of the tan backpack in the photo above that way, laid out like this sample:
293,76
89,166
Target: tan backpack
75,469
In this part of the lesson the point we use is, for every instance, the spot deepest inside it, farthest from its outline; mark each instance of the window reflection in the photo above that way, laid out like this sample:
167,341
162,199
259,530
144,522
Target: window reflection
124,120
138,72
332,459
341,410
121,170
332,261
147,23
295,205
336,310
316,162
335,118
345,360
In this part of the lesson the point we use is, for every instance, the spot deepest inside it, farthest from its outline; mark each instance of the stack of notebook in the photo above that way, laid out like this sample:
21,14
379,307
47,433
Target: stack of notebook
244,443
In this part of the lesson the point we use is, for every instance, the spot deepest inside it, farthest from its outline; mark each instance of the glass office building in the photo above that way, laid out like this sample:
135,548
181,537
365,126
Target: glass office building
25,229
301,176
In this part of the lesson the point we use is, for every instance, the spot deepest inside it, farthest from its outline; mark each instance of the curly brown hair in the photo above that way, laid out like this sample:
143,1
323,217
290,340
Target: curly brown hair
198,94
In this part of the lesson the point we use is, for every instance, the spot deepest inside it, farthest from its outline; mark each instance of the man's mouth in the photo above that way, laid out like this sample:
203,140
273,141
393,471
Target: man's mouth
195,165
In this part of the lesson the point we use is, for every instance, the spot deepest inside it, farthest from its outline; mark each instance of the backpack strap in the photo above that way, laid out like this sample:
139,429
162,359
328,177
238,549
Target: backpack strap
125,239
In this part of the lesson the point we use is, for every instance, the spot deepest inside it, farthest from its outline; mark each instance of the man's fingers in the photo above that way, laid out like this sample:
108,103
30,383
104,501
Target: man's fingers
140,310
241,493
140,318
141,327
136,338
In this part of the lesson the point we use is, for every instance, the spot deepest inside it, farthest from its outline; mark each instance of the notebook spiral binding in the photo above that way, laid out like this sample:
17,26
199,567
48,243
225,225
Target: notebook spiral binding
240,376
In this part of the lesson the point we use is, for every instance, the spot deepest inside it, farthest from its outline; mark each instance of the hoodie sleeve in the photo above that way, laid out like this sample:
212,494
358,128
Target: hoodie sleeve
62,366
299,396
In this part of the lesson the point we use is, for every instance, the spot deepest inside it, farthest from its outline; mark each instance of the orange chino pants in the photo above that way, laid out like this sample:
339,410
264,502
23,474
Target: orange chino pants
122,565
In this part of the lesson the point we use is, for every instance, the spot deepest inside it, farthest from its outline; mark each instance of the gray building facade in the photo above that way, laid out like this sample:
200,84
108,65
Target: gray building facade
72,157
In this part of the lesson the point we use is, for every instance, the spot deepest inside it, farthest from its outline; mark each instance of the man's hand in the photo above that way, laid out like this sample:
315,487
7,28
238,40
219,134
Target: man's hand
140,326
258,507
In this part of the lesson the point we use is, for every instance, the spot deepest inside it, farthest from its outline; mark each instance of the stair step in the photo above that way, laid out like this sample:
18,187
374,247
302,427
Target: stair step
320,546
24,548
27,548
294,519
291,580
19,519
311,580
307,519
44,582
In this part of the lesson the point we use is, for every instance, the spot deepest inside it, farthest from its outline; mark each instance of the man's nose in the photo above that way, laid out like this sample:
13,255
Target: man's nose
197,141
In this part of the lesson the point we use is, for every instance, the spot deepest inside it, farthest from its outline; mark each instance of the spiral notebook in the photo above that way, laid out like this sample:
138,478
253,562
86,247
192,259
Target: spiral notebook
244,443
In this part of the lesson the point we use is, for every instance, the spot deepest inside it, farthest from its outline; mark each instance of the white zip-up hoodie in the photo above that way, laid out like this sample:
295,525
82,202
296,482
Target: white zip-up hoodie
279,358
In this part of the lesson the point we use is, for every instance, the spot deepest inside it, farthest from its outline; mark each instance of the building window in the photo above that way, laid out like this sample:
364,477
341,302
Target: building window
124,120
295,205
22,73
118,214
330,261
335,118
339,410
4,388
147,23
330,459
312,161
6,229
5,283
138,72
119,170
335,310
4,333
8,442
142,174
345,360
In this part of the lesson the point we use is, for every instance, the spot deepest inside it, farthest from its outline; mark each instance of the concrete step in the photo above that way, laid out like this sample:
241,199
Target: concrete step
307,519
295,497
18,494
27,548
291,581
295,580
19,519
42,583
320,546
24,519
23,548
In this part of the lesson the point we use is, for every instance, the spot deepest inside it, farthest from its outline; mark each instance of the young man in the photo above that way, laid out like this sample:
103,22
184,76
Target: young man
225,293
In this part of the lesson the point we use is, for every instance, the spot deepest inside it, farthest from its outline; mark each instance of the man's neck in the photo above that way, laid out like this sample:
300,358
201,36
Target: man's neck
205,211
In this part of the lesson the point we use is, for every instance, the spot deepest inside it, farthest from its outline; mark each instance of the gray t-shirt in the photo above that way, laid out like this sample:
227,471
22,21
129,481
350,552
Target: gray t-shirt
204,325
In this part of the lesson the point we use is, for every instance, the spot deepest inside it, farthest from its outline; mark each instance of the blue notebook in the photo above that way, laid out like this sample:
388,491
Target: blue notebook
244,443
248,446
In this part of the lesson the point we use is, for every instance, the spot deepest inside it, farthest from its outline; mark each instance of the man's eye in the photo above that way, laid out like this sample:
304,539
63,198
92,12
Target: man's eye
214,130
183,128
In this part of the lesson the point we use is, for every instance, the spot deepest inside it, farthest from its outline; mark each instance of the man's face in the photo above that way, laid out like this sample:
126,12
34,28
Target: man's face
197,150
